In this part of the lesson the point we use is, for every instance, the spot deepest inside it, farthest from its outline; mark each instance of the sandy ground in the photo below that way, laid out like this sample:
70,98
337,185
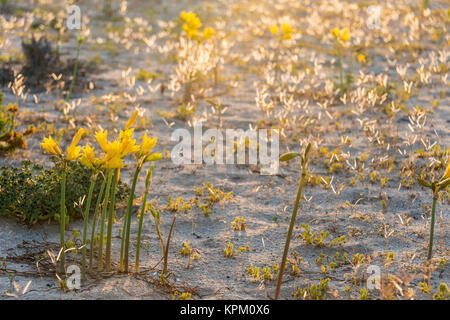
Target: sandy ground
264,201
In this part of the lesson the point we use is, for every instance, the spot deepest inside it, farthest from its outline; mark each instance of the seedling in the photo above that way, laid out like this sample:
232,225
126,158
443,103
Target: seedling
304,162
435,187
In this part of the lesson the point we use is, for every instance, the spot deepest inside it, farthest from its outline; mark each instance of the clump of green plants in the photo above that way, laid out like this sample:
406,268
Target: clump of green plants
31,192
10,139
238,224
178,204
208,196
183,113
189,252
228,250
314,292
318,239
268,273
144,75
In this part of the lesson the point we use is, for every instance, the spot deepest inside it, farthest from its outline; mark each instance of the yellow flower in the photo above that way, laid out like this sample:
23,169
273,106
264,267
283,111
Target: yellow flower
50,146
287,31
73,151
361,58
102,139
192,33
192,24
147,144
274,30
191,19
335,33
208,32
88,157
344,35
132,120
114,162
113,155
127,146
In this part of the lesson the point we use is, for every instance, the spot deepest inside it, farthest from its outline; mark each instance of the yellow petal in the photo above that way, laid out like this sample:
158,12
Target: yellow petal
132,120
345,36
274,30
447,171
102,139
335,33
50,146
154,157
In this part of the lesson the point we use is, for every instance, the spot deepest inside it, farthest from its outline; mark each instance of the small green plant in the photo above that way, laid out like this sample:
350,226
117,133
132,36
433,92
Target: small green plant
228,250
164,245
144,75
208,196
435,188
238,224
189,252
443,293
304,163
364,294
178,204
10,139
318,238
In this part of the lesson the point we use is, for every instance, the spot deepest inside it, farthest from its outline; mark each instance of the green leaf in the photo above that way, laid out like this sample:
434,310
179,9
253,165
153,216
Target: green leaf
423,183
288,156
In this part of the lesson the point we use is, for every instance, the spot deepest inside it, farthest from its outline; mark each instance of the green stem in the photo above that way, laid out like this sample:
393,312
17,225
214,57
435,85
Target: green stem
127,222
166,253
341,68
111,220
122,242
62,219
433,216
75,70
102,222
86,222
148,181
158,231
291,228
97,206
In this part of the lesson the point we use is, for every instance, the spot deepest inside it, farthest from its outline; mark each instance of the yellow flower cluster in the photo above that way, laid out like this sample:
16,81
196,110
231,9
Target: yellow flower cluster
192,24
286,31
342,34
114,152
73,151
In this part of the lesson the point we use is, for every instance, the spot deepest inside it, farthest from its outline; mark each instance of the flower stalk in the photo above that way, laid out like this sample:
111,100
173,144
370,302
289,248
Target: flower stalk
62,219
435,187
102,222
85,226
148,181
75,68
111,219
304,161
127,223
94,222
